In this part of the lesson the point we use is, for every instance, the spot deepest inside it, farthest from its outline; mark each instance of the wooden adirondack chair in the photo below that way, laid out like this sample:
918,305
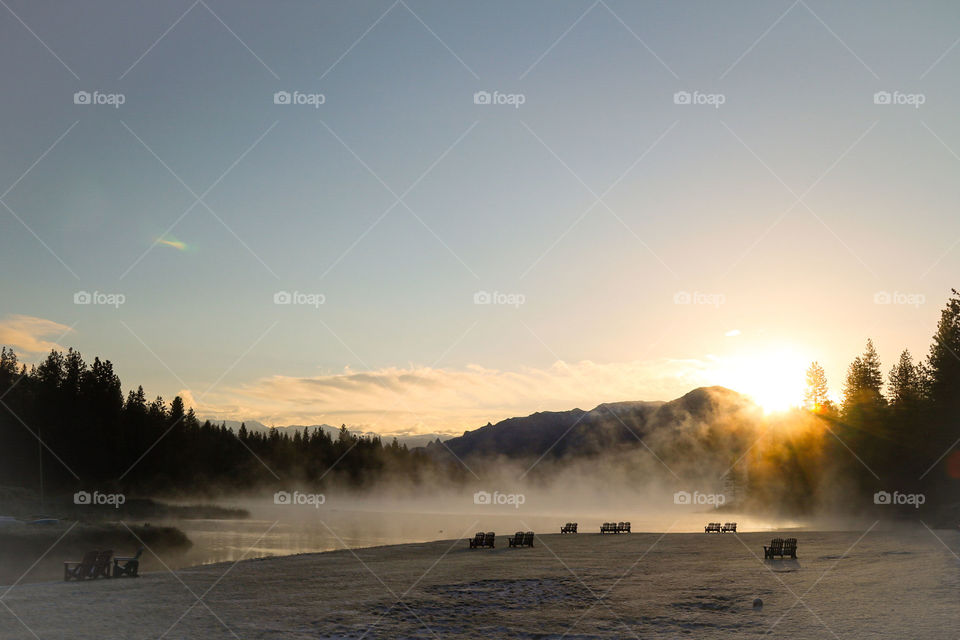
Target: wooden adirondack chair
80,570
790,547
101,568
130,566
775,548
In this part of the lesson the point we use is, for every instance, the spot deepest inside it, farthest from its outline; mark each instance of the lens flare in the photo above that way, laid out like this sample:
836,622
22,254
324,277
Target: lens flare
170,241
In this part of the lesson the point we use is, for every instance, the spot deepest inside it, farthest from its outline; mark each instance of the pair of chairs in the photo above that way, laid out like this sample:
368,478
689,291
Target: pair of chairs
521,539
481,540
782,548
570,527
615,527
96,564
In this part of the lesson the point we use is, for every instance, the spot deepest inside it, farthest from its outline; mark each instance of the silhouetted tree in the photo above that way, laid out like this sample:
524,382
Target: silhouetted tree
817,396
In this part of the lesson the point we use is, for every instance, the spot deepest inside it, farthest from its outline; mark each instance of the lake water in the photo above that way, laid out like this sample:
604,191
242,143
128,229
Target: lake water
273,532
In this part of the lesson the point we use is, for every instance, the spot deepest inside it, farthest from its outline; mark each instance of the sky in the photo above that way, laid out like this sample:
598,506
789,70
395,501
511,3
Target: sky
423,216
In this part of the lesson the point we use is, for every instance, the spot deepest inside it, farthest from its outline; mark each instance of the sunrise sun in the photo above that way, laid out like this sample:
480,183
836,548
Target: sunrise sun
774,379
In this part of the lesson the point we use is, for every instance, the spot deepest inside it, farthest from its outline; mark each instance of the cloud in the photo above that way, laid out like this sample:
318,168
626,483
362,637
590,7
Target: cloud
27,333
425,399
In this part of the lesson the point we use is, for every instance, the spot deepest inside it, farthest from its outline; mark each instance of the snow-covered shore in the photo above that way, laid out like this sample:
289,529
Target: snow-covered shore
856,584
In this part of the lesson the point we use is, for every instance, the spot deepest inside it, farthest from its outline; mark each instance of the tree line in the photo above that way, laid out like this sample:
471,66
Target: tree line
66,424
900,430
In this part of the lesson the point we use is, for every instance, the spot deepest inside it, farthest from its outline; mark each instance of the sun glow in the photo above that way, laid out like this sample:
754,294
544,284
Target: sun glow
775,379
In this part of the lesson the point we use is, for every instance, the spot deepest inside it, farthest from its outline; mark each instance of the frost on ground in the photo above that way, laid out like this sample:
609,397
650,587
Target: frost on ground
903,584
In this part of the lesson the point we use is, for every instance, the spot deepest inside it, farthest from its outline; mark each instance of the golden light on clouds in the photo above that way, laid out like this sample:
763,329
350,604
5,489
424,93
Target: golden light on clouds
31,335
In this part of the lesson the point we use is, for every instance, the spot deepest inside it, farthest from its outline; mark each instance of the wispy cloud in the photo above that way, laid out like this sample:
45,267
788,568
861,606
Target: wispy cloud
29,334
424,399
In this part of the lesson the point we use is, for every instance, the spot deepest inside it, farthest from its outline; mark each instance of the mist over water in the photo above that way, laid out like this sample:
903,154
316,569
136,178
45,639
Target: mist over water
358,522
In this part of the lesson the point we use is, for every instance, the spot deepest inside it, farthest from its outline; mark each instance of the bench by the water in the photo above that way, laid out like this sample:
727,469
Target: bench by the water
615,527
95,564
713,527
570,527
729,527
127,566
482,539
521,539
781,547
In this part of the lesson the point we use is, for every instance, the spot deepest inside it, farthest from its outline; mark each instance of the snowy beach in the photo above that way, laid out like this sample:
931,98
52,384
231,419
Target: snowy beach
855,584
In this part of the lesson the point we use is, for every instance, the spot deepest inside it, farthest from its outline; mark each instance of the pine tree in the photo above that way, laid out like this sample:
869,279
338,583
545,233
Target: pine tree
905,387
944,358
817,396
864,382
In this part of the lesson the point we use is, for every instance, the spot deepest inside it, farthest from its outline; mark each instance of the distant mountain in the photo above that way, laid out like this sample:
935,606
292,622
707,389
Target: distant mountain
559,434
411,440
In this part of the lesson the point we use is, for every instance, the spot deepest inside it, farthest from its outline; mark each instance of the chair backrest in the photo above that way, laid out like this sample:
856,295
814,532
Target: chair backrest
574,526
488,538
478,538
776,543
85,568
518,535
528,538
790,543
102,565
